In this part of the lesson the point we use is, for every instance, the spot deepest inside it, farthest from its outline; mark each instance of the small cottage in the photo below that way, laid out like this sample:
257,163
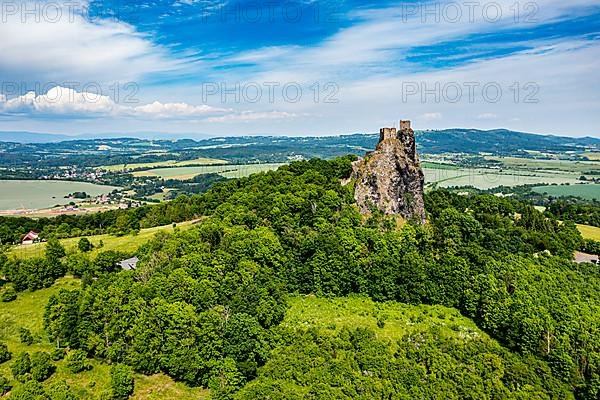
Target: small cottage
30,238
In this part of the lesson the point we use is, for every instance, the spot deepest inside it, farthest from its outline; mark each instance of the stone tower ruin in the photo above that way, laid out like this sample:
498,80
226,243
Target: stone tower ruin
390,178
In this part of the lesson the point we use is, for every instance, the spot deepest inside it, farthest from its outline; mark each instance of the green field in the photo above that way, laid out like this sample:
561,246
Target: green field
482,178
228,171
436,165
168,163
27,312
562,166
127,243
513,172
586,191
355,311
589,232
43,194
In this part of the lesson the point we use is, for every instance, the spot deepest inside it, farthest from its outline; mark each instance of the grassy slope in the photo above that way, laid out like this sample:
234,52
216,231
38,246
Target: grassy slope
589,232
400,319
126,243
27,311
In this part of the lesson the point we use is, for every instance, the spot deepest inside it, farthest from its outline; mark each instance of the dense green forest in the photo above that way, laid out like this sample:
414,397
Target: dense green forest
206,305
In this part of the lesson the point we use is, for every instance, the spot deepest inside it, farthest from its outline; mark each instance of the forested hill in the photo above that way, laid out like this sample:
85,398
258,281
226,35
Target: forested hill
499,141
210,305
96,152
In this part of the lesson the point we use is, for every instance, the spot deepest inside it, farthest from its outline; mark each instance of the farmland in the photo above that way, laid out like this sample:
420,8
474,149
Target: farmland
228,171
513,171
27,312
161,164
548,164
43,194
487,178
589,191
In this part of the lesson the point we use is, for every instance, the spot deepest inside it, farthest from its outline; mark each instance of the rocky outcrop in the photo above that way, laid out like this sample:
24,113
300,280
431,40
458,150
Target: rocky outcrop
390,178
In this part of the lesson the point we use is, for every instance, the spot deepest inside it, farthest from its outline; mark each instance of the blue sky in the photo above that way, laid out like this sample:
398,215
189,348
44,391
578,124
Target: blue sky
200,67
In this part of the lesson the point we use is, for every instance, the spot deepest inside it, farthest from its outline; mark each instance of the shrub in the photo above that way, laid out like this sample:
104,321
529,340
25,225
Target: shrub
21,367
9,294
77,361
78,264
84,245
41,366
5,355
5,385
60,391
107,261
121,381
57,354
30,390
25,336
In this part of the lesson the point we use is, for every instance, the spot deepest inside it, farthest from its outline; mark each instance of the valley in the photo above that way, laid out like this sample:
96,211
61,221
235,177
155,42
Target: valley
239,280
151,171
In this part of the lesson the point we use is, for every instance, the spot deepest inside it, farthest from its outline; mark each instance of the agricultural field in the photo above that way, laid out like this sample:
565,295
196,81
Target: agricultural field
562,166
487,178
228,171
168,163
27,312
586,191
127,243
592,156
437,165
44,194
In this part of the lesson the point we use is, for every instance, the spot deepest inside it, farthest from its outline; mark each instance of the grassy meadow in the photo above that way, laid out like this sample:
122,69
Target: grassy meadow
127,243
333,314
27,312
589,232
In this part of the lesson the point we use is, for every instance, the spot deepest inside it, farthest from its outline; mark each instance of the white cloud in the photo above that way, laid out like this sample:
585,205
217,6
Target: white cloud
73,48
432,116
169,110
378,43
67,102
60,100
247,116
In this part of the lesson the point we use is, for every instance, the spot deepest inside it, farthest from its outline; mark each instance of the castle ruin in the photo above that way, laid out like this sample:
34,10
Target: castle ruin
390,178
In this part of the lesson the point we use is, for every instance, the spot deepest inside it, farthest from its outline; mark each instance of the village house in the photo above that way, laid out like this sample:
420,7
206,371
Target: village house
30,238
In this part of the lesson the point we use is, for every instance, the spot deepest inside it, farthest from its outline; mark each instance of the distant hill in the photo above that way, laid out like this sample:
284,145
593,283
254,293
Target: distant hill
499,141
32,137
277,148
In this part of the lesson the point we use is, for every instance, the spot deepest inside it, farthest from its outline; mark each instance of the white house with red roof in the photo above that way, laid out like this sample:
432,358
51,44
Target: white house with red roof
30,238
